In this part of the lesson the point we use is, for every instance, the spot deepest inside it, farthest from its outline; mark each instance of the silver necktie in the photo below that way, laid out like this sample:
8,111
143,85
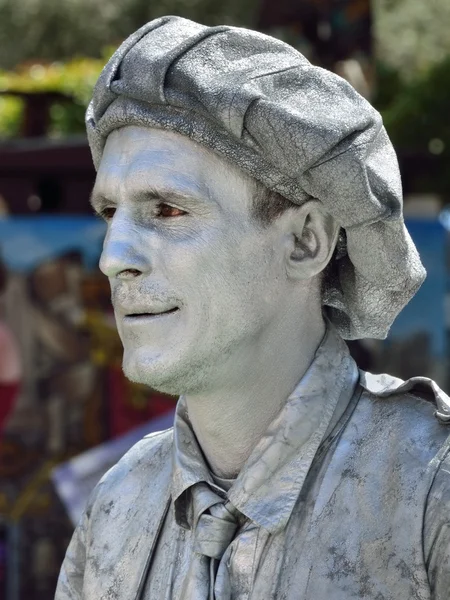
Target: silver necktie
214,531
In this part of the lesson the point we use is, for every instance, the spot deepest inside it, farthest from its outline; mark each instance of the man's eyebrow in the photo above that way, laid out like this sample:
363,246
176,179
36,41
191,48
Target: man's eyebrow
97,199
167,195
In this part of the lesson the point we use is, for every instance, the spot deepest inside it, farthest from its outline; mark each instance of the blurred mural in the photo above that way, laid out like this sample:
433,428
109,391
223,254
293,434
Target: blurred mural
73,394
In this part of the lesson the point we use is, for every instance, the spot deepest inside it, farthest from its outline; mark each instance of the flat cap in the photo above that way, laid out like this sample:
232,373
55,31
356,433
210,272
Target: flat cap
300,130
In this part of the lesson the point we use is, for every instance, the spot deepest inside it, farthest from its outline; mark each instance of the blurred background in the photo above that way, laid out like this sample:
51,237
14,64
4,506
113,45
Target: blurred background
66,411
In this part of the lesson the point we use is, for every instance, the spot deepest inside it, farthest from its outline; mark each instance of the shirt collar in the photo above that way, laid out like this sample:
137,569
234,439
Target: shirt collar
268,486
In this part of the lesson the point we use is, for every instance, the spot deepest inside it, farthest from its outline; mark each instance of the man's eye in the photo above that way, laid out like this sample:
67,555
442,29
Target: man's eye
107,213
165,210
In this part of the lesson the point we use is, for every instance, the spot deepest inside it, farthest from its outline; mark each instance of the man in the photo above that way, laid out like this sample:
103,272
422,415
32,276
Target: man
254,221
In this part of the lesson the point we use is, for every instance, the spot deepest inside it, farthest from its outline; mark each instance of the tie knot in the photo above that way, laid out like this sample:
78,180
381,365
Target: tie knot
215,531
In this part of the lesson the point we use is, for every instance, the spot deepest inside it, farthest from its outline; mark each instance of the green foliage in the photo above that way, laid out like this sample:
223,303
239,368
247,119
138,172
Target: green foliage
75,79
11,115
411,35
388,84
51,32
420,111
417,117
59,29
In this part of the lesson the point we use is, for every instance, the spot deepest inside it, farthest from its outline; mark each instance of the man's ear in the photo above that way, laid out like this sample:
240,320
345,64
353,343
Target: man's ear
312,238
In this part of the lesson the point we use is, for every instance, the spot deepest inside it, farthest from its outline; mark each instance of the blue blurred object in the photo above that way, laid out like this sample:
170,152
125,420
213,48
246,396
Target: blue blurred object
26,242
418,340
426,311
75,479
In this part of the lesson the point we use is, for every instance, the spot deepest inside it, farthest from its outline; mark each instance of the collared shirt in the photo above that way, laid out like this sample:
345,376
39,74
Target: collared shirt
267,491
359,511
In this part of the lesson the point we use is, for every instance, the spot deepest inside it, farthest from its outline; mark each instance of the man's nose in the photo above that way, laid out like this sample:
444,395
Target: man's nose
123,255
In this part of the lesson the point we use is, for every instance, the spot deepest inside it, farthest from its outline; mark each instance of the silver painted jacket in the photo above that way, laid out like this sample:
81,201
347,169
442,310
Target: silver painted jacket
346,496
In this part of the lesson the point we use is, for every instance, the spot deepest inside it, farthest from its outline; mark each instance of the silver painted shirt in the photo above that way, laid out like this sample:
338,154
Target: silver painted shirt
346,497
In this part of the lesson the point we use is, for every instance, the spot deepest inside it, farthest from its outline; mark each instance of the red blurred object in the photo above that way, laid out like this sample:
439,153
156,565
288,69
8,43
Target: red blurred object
131,405
8,395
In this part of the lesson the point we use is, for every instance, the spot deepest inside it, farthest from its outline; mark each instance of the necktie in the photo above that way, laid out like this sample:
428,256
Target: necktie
214,530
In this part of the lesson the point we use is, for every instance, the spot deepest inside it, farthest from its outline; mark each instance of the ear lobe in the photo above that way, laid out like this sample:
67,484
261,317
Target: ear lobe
314,235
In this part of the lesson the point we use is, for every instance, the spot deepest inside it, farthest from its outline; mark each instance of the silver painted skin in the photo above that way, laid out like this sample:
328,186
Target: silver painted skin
181,234
361,512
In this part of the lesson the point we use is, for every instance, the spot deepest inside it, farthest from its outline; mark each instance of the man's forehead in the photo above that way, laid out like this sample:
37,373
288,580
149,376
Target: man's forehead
136,158
132,142
149,157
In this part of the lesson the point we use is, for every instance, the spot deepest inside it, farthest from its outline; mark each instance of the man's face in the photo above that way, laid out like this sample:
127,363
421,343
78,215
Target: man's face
195,281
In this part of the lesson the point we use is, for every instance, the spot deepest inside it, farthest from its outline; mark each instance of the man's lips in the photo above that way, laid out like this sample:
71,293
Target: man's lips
134,316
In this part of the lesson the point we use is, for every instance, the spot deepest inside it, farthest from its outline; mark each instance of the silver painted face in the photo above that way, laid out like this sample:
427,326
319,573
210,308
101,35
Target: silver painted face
195,281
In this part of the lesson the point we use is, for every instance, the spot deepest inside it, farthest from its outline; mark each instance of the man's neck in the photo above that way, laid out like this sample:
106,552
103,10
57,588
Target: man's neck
229,422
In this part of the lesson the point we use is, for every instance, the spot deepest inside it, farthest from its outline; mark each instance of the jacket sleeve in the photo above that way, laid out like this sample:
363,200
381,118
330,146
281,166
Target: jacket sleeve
437,533
91,562
71,576
70,581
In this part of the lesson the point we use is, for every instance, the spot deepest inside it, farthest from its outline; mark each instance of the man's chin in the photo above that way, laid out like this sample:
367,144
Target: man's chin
153,371
168,376
147,373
